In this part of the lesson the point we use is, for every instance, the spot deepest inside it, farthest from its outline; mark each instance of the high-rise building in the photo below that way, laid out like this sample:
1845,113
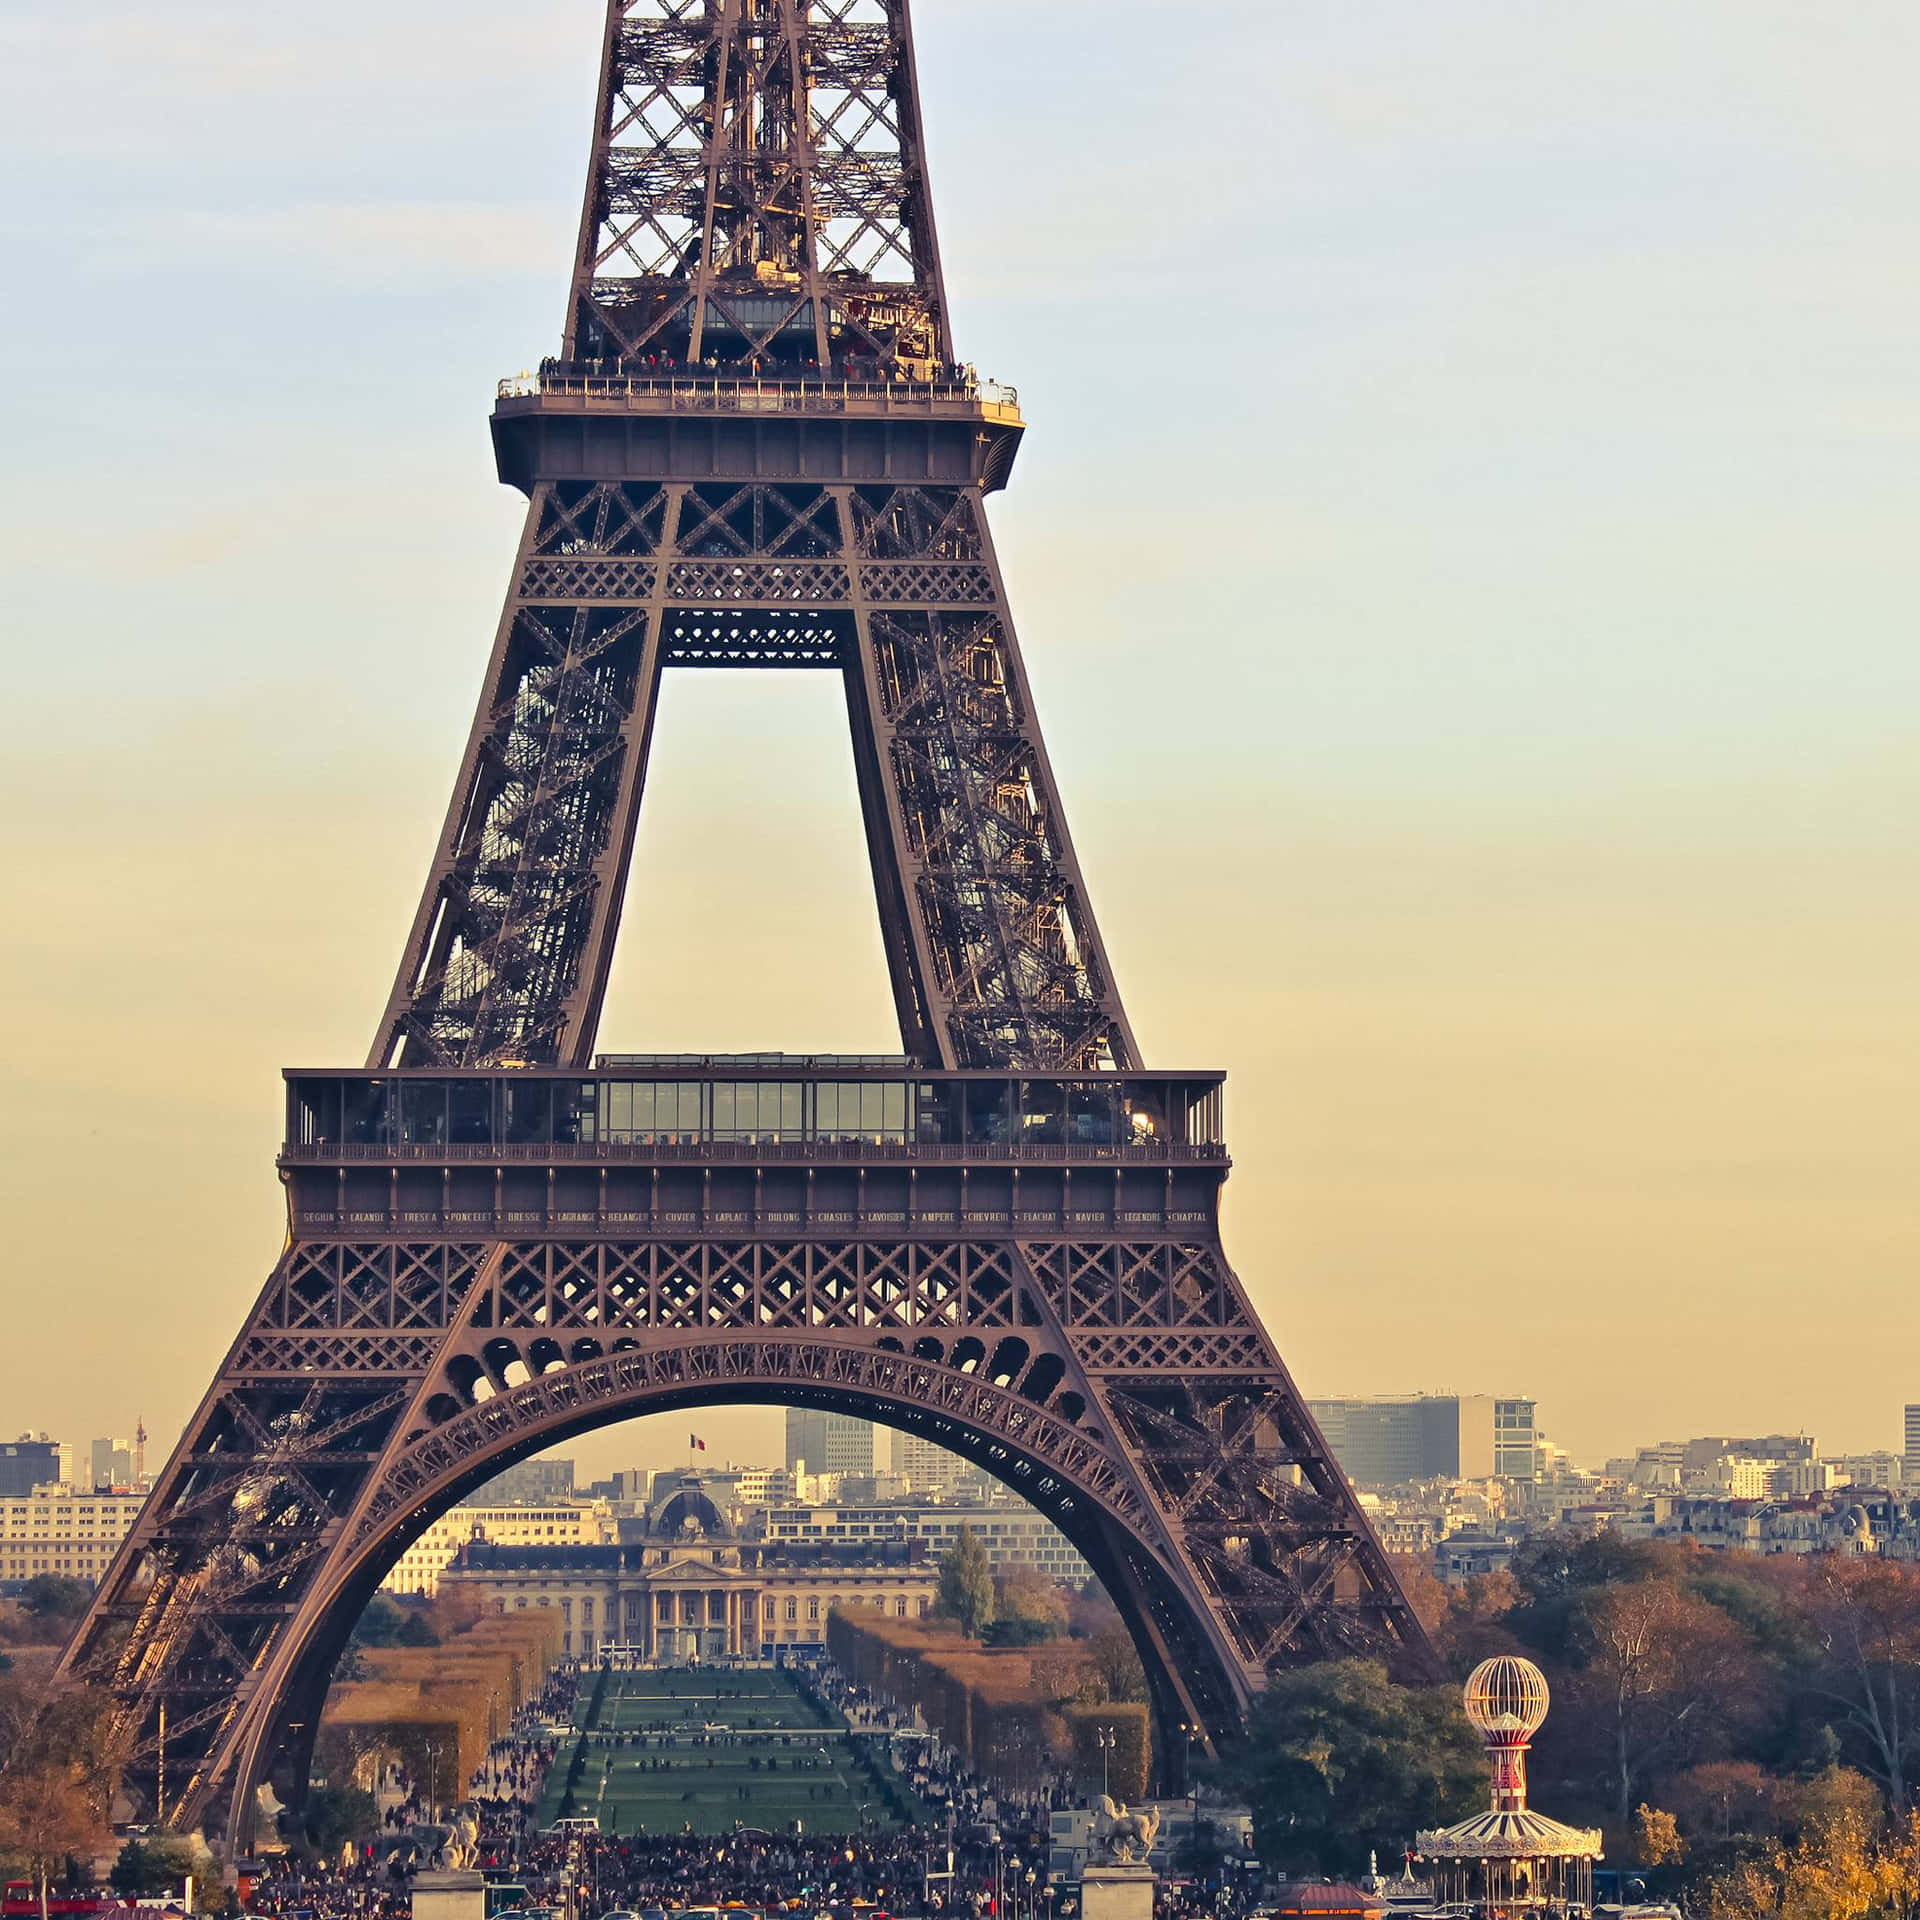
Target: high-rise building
1516,1440
1910,1452
1384,1442
828,1442
929,1469
532,1483
112,1464
27,1463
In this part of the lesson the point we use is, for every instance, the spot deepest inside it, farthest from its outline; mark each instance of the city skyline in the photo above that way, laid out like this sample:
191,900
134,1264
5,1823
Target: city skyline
1558,951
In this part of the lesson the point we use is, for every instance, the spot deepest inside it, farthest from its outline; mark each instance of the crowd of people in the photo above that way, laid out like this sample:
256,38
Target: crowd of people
853,368
957,1867
900,1871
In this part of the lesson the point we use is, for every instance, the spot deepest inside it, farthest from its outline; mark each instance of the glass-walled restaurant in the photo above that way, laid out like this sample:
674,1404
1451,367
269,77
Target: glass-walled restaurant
375,1111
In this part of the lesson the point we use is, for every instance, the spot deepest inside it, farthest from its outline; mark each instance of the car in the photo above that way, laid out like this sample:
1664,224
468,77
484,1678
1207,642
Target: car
575,1823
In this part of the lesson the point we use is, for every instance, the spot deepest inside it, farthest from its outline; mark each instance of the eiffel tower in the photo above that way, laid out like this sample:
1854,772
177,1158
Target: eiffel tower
757,448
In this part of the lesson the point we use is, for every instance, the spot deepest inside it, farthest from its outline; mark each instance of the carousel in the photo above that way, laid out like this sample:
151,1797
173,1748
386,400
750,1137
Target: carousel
1511,1861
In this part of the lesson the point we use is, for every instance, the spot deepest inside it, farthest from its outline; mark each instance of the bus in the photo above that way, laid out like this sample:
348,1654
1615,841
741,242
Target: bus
20,1900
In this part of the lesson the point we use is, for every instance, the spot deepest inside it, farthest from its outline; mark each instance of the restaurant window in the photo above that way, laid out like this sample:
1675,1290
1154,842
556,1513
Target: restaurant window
527,1107
650,1112
860,1110
423,1113
759,1110
364,1118
989,1112
470,1112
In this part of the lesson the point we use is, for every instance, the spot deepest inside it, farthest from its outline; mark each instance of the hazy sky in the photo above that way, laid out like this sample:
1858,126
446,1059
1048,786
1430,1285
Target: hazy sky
1464,550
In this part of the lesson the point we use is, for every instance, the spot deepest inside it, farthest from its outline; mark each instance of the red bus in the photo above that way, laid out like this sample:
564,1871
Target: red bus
21,1901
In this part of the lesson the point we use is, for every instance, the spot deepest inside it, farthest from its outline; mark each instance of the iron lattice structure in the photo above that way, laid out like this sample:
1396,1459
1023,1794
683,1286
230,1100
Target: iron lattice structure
756,450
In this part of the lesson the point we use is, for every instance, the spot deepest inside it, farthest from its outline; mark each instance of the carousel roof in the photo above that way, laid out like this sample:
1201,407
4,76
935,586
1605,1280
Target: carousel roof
1519,1835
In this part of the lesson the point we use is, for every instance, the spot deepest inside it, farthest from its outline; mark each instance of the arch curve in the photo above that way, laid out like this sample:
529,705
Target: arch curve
1070,1474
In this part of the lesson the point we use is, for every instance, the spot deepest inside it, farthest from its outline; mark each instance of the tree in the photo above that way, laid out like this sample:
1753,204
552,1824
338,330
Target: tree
1725,1800
379,1623
1656,1837
1834,1793
1338,1762
966,1584
1660,1668
52,1597
62,1769
1112,1744
1090,1610
154,1866
1865,1615
1016,1632
1029,1608
1114,1664
334,1815
46,1817
1837,1870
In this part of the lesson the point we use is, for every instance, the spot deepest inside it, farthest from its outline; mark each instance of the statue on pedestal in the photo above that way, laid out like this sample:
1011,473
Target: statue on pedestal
1120,1838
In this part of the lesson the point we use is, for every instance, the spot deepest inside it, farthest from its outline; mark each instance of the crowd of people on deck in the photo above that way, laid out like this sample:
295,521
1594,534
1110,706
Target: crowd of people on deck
851,368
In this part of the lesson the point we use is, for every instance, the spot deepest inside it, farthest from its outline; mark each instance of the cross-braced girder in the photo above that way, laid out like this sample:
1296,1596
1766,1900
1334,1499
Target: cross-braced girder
992,944
757,188
755,453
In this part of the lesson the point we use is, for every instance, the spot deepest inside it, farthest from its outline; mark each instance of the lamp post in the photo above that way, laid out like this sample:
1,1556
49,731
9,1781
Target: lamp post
1104,1739
1013,1862
1187,1731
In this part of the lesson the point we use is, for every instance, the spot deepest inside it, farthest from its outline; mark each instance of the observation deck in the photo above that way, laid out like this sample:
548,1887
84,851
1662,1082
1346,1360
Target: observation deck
701,1144
690,423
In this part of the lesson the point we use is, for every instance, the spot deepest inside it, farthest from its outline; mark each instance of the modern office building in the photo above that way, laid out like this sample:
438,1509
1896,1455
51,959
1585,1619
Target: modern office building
532,1483
27,1463
1910,1451
828,1442
1389,1441
929,1469
113,1465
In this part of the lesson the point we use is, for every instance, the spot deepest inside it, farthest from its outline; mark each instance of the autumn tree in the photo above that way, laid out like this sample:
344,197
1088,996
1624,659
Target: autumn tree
1660,1670
966,1584
1114,1664
1725,1799
61,1773
1028,1607
1656,1837
1842,1869
1865,1617
1091,1609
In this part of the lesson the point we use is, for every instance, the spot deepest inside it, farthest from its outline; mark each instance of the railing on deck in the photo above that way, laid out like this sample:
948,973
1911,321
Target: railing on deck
714,393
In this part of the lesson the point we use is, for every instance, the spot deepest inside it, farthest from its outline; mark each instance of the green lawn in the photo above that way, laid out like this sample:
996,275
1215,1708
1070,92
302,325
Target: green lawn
772,1757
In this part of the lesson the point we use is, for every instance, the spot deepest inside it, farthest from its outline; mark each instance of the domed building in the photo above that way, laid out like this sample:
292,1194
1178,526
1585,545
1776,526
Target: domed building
689,1587
1511,1861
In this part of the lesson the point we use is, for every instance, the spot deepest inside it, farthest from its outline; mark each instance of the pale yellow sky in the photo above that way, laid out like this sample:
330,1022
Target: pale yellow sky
1463,551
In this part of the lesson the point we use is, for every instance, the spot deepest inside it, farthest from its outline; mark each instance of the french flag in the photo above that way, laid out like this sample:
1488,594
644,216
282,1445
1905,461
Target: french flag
696,1443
